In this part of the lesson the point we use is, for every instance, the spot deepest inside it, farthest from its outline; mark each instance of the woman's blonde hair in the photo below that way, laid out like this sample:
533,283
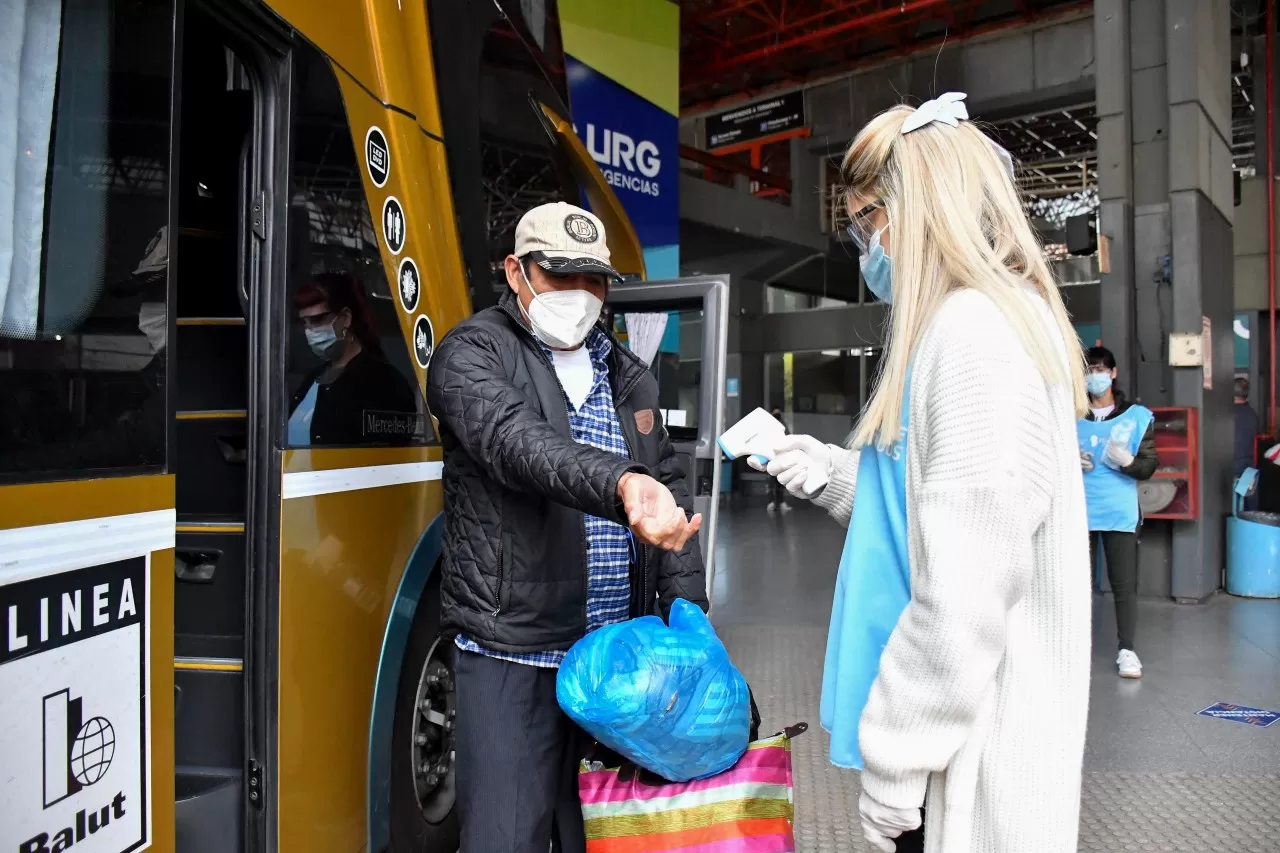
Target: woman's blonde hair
955,221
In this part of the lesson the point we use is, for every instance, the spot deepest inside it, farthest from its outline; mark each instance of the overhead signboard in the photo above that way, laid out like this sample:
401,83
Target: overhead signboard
756,121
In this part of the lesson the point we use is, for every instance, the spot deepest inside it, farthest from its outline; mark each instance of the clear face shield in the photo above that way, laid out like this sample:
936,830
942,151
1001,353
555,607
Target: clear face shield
861,227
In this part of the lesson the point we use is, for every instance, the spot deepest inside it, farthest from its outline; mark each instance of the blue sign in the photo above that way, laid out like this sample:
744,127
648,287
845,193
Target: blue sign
636,144
1240,714
731,386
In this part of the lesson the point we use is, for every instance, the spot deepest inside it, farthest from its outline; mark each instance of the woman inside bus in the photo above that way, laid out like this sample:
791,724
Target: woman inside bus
958,657
354,396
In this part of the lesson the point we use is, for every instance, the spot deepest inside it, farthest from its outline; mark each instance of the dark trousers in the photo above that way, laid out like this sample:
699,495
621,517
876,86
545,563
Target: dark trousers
517,760
1122,569
778,494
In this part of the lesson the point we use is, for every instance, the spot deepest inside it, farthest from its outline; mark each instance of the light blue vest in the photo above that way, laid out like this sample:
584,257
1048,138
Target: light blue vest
872,589
1111,497
300,420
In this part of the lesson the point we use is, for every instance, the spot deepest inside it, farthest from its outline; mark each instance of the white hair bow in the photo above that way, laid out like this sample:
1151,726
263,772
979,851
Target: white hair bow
948,108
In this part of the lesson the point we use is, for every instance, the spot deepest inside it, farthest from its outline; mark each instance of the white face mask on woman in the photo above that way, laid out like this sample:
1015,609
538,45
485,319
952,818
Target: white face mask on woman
562,319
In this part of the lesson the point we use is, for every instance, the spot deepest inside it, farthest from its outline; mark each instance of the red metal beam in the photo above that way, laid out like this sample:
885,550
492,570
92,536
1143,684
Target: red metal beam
858,9
695,77
1271,208
853,23
715,11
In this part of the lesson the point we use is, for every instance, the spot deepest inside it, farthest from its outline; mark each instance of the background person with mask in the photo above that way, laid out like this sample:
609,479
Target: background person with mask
1117,449
566,509
353,379
1246,430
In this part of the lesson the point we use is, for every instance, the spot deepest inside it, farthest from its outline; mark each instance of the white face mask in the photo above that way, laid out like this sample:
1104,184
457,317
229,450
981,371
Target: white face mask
153,323
562,319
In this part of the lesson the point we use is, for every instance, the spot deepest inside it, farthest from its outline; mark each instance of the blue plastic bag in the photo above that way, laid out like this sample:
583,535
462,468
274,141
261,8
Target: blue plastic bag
666,698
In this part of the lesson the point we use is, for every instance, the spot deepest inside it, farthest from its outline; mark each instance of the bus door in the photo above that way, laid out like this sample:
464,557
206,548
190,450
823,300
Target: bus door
227,478
680,327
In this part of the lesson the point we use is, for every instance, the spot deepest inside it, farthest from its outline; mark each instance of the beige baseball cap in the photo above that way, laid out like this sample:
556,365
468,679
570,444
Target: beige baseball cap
564,239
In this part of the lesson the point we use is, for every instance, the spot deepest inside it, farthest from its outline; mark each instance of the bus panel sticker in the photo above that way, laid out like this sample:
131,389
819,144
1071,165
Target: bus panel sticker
74,711
393,224
377,156
409,284
424,340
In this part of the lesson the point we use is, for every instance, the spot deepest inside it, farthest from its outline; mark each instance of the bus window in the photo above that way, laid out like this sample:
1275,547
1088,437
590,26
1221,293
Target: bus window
350,379
501,161
84,240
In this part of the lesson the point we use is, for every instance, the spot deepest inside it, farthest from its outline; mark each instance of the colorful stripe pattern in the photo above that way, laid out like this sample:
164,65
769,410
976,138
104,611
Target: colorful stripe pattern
746,809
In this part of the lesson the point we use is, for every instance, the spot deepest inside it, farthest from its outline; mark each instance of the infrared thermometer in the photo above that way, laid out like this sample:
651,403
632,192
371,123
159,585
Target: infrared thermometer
756,435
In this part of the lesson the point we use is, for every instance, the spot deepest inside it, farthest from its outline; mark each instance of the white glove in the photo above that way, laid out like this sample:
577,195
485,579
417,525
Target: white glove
1116,456
801,464
881,824
1086,461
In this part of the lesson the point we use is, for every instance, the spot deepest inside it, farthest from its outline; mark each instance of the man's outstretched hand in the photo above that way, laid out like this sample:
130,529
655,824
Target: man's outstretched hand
653,514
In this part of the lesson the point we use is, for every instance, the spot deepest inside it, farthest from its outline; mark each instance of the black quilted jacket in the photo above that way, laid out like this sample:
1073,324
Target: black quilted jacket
516,486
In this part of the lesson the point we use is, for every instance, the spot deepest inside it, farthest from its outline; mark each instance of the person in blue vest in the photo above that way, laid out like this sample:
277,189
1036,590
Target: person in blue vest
1117,449
957,667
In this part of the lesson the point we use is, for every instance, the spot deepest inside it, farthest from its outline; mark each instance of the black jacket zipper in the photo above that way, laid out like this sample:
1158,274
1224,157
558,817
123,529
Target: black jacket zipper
636,548
586,579
501,574
619,398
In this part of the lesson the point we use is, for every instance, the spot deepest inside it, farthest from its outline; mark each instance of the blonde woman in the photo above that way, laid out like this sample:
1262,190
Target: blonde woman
957,666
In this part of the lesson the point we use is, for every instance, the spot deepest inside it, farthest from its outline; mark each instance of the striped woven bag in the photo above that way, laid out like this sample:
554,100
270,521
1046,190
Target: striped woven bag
746,809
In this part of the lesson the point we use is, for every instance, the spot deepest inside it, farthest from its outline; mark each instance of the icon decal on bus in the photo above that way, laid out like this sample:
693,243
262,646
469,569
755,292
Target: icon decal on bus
424,340
74,711
409,284
393,224
377,156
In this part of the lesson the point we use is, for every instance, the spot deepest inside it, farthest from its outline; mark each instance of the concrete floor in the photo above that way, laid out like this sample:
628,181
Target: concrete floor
1157,777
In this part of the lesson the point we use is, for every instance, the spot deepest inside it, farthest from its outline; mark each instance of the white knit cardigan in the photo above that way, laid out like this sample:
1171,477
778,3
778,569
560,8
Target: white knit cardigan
983,689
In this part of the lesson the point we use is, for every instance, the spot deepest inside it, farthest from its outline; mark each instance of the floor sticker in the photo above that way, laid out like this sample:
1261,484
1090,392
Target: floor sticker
1240,714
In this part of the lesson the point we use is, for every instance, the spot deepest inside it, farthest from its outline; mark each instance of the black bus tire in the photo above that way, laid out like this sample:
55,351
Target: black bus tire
413,828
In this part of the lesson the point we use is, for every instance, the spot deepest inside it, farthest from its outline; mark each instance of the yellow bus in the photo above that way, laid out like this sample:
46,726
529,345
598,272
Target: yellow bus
231,233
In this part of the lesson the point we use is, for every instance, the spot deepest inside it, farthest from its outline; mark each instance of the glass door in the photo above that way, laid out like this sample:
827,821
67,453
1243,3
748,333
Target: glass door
686,352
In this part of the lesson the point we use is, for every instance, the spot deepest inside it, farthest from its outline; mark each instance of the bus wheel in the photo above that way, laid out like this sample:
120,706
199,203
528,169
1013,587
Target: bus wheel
422,774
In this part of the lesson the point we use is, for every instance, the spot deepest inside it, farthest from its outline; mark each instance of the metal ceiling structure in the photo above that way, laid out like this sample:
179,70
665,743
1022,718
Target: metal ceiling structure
1057,159
736,48
1244,119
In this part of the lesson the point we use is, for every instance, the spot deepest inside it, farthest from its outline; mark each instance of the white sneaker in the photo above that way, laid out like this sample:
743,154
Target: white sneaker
785,508
1128,664
772,506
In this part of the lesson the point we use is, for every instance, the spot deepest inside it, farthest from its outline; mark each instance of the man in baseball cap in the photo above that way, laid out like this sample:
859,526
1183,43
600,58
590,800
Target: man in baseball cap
566,509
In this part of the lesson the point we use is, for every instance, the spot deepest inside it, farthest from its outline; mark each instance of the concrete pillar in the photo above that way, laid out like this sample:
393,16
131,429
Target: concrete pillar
1200,210
746,306
1115,177
1164,178
806,184
1123,163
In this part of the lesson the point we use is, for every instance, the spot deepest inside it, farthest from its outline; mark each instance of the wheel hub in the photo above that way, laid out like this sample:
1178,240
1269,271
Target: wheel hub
432,738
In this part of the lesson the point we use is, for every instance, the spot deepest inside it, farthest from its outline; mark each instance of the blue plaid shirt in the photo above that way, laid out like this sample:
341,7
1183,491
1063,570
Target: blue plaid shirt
608,543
